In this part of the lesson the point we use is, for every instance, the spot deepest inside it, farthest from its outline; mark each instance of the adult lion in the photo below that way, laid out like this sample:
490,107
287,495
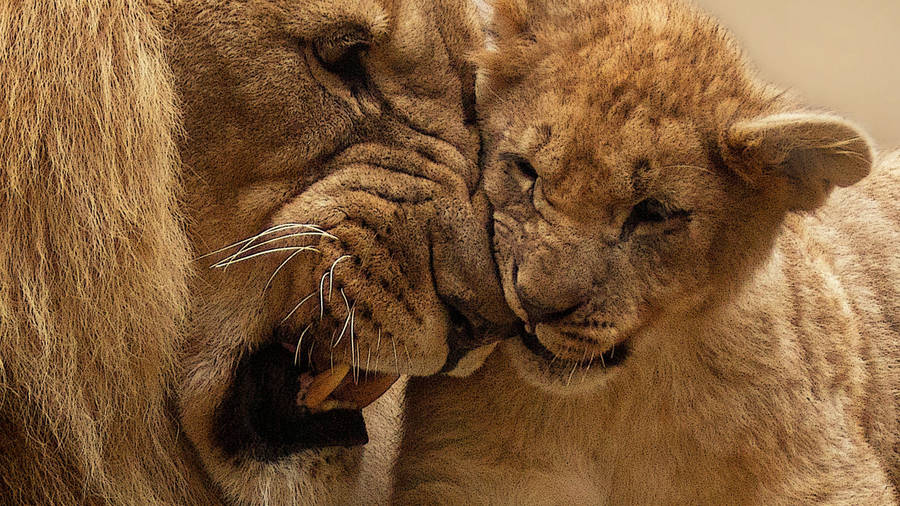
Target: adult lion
328,156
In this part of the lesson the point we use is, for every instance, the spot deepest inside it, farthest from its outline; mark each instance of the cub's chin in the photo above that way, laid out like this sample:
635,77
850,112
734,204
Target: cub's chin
569,372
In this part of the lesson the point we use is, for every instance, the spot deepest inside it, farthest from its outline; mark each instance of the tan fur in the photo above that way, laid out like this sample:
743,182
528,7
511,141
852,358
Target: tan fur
114,355
760,311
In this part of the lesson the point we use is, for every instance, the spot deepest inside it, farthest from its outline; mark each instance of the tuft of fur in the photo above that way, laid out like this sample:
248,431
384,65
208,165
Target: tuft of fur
708,269
93,259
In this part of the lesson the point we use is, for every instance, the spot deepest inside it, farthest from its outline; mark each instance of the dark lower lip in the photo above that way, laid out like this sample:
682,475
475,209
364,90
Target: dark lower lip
609,358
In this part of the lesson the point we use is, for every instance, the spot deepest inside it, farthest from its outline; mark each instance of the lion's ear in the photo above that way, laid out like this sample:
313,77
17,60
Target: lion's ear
804,154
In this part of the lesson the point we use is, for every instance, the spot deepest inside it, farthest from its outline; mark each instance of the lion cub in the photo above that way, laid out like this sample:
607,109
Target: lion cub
709,319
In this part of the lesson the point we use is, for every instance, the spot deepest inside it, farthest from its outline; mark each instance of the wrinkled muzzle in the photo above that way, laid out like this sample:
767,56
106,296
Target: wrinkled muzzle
385,269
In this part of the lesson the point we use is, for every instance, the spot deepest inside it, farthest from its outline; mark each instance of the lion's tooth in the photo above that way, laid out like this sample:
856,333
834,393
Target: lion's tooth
328,405
325,383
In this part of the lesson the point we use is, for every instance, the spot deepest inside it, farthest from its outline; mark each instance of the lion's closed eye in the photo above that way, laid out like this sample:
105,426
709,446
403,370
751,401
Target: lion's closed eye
343,57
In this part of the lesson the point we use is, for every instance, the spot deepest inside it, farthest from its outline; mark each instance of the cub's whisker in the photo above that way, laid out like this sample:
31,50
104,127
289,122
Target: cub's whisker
588,368
243,242
354,356
574,367
309,358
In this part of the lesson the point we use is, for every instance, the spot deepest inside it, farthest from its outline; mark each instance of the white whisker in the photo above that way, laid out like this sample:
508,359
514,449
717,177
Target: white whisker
331,274
396,361
575,366
280,238
343,330
243,242
225,264
346,302
297,307
588,369
408,359
378,350
247,242
354,356
221,250
368,358
321,297
300,342
286,260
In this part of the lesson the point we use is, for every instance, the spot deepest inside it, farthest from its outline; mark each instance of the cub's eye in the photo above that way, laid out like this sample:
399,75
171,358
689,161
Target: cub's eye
343,57
526,169
651,215
649,211
522,165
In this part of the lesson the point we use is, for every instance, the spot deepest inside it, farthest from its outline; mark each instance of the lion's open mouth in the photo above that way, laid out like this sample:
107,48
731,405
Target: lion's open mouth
279,403
612,357
338,386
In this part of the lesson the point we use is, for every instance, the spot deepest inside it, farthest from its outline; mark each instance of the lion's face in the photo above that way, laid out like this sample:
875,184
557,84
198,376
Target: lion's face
637,171
331,167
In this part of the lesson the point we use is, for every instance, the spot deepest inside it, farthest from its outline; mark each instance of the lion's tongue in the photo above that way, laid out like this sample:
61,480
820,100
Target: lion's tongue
339,385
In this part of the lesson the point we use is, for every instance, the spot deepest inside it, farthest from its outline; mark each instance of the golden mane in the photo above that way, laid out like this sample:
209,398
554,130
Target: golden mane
93,256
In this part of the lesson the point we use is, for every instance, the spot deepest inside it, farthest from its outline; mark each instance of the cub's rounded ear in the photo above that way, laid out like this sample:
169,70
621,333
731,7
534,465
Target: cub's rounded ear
803,155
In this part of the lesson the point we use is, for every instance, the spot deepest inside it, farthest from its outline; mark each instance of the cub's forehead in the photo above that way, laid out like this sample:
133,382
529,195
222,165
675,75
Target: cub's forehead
661,56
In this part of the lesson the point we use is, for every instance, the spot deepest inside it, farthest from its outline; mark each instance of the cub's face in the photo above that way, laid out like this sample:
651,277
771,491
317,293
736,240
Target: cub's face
331,170
599,228
637,170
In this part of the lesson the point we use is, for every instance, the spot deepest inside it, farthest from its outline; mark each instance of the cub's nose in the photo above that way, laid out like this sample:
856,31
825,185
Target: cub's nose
540,314
546,301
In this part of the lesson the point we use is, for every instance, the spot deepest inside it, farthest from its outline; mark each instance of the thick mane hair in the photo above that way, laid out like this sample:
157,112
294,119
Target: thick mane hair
93,257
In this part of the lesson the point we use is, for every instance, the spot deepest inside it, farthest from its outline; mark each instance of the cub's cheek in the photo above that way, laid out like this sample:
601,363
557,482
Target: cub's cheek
505,259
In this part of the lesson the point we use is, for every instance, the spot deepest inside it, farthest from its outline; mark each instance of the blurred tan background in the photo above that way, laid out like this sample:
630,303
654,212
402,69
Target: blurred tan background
839,54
